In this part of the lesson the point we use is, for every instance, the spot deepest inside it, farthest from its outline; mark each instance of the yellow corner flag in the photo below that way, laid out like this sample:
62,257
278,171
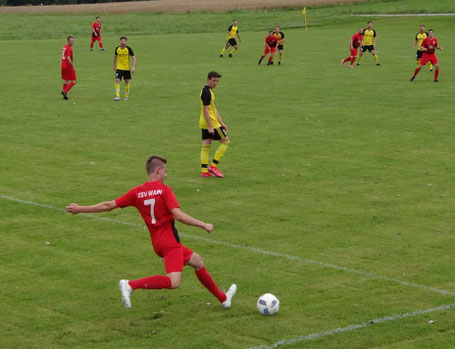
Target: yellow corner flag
304,13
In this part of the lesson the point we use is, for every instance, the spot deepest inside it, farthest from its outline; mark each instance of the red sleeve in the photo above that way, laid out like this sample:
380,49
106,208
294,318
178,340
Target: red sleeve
170,200
128,199
69,52
93,25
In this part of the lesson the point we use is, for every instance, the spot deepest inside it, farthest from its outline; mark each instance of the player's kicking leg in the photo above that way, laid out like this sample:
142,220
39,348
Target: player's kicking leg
206,279
223,50
222,148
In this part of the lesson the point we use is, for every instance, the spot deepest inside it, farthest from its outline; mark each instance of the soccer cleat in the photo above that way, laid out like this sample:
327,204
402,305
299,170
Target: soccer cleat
102,49
431,69
125,290
91,49
411,79
229,295
378,64
221,56
207,174
259,62
279,63
230,55
65,96
358,63
351,66
116,99
436,80
125,99
342,63
215,171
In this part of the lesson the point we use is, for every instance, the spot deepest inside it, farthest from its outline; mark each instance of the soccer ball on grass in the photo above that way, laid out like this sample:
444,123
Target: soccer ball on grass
268,304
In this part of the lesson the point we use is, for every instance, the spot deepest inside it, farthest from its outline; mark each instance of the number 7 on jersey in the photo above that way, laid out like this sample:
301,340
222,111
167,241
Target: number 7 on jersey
151,202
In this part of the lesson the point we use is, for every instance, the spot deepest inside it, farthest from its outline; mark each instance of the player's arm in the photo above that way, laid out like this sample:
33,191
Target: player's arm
94,31
437,46
69,60
207,118
184,218
100,207
115,61
219,119
351,44
374,39
133,64
238,35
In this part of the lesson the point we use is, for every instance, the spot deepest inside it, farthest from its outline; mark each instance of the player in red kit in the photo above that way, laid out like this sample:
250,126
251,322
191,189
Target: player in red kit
96,33
356,41
271,42
68,72
429,44
158,207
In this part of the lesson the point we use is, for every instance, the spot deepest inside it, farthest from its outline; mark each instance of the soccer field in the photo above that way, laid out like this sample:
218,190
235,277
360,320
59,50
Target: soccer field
338,193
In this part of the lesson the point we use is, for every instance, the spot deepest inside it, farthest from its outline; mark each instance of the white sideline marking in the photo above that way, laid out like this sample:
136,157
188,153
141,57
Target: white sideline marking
350,328
405,15
250,249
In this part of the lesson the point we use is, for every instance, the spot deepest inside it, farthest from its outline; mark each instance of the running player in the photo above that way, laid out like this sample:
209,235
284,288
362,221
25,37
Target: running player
281,39
212,127
355,42
420,36
68,72
271,42
158,207
429,44
122,68
96,33
369,43
232,32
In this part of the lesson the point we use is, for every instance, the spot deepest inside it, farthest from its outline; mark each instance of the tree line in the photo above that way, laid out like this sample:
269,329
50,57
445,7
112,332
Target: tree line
53,2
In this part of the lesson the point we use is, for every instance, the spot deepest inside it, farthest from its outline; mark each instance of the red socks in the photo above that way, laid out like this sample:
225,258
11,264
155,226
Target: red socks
152,282
436,73
205,279
68,87
64,86
417,72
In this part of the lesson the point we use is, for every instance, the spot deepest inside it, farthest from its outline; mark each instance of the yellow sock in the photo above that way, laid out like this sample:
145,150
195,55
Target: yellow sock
220,153
233,51
127,90
376,58
358,59
117,89
205,152
417,62
431,66
223,50
279,58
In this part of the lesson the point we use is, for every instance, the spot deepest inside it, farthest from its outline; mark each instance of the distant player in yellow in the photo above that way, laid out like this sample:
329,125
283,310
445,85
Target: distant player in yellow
281,39
122,67
232,32
420,36
369,43
212,127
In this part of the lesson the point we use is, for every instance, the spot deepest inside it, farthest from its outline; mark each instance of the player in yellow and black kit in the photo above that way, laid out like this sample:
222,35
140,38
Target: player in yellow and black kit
369,43
232,32
122,68
281,39
212,128
420,36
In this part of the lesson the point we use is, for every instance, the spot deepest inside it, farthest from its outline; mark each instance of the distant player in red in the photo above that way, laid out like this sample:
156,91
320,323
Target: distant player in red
428,46
356,41
96,33
271,42
158,207
68,72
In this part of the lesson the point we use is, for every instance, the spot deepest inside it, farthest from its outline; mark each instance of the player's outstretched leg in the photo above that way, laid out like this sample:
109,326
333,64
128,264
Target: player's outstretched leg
436,72
260,59
222,148
416,71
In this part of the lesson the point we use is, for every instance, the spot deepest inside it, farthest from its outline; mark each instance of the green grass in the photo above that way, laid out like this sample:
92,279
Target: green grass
350,167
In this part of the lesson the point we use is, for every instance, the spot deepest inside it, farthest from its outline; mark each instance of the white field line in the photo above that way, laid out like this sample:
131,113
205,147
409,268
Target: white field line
251,249
405,15
354,327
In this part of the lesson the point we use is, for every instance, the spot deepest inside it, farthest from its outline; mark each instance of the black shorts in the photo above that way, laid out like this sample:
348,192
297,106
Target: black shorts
280,47
368,48
220,133
419,54
125,74
231,42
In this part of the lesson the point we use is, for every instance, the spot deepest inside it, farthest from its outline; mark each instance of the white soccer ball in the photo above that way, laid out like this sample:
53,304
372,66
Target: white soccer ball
268,304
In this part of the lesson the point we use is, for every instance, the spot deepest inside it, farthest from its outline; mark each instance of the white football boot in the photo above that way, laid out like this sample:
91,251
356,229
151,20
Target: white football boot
229,295
126,291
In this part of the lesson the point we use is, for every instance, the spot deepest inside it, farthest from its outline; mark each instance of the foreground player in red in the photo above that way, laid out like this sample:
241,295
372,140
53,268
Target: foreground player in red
356,41
96,33
158,207
68,72
428,46
271,42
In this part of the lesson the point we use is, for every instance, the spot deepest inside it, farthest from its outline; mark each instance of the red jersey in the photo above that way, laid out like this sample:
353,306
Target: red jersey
67,52
272,41
154,201
429,44
97,28
356,40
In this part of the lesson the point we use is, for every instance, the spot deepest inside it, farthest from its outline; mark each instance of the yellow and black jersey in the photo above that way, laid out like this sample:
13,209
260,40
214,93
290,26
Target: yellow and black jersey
280,37
208,99
419,38
233,30
123,57
368,36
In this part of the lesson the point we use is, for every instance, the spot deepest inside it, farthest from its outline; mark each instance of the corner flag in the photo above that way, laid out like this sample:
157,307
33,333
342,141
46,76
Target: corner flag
305,20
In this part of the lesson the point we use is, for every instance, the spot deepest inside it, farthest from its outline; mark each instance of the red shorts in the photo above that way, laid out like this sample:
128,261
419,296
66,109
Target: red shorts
96,38
175,258
353,52
272,50
68,73
428,57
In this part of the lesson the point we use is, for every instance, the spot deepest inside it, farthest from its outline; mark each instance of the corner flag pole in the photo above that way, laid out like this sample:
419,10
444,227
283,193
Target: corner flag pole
304,14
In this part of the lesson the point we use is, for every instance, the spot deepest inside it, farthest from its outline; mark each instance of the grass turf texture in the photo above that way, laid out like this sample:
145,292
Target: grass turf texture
316,169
